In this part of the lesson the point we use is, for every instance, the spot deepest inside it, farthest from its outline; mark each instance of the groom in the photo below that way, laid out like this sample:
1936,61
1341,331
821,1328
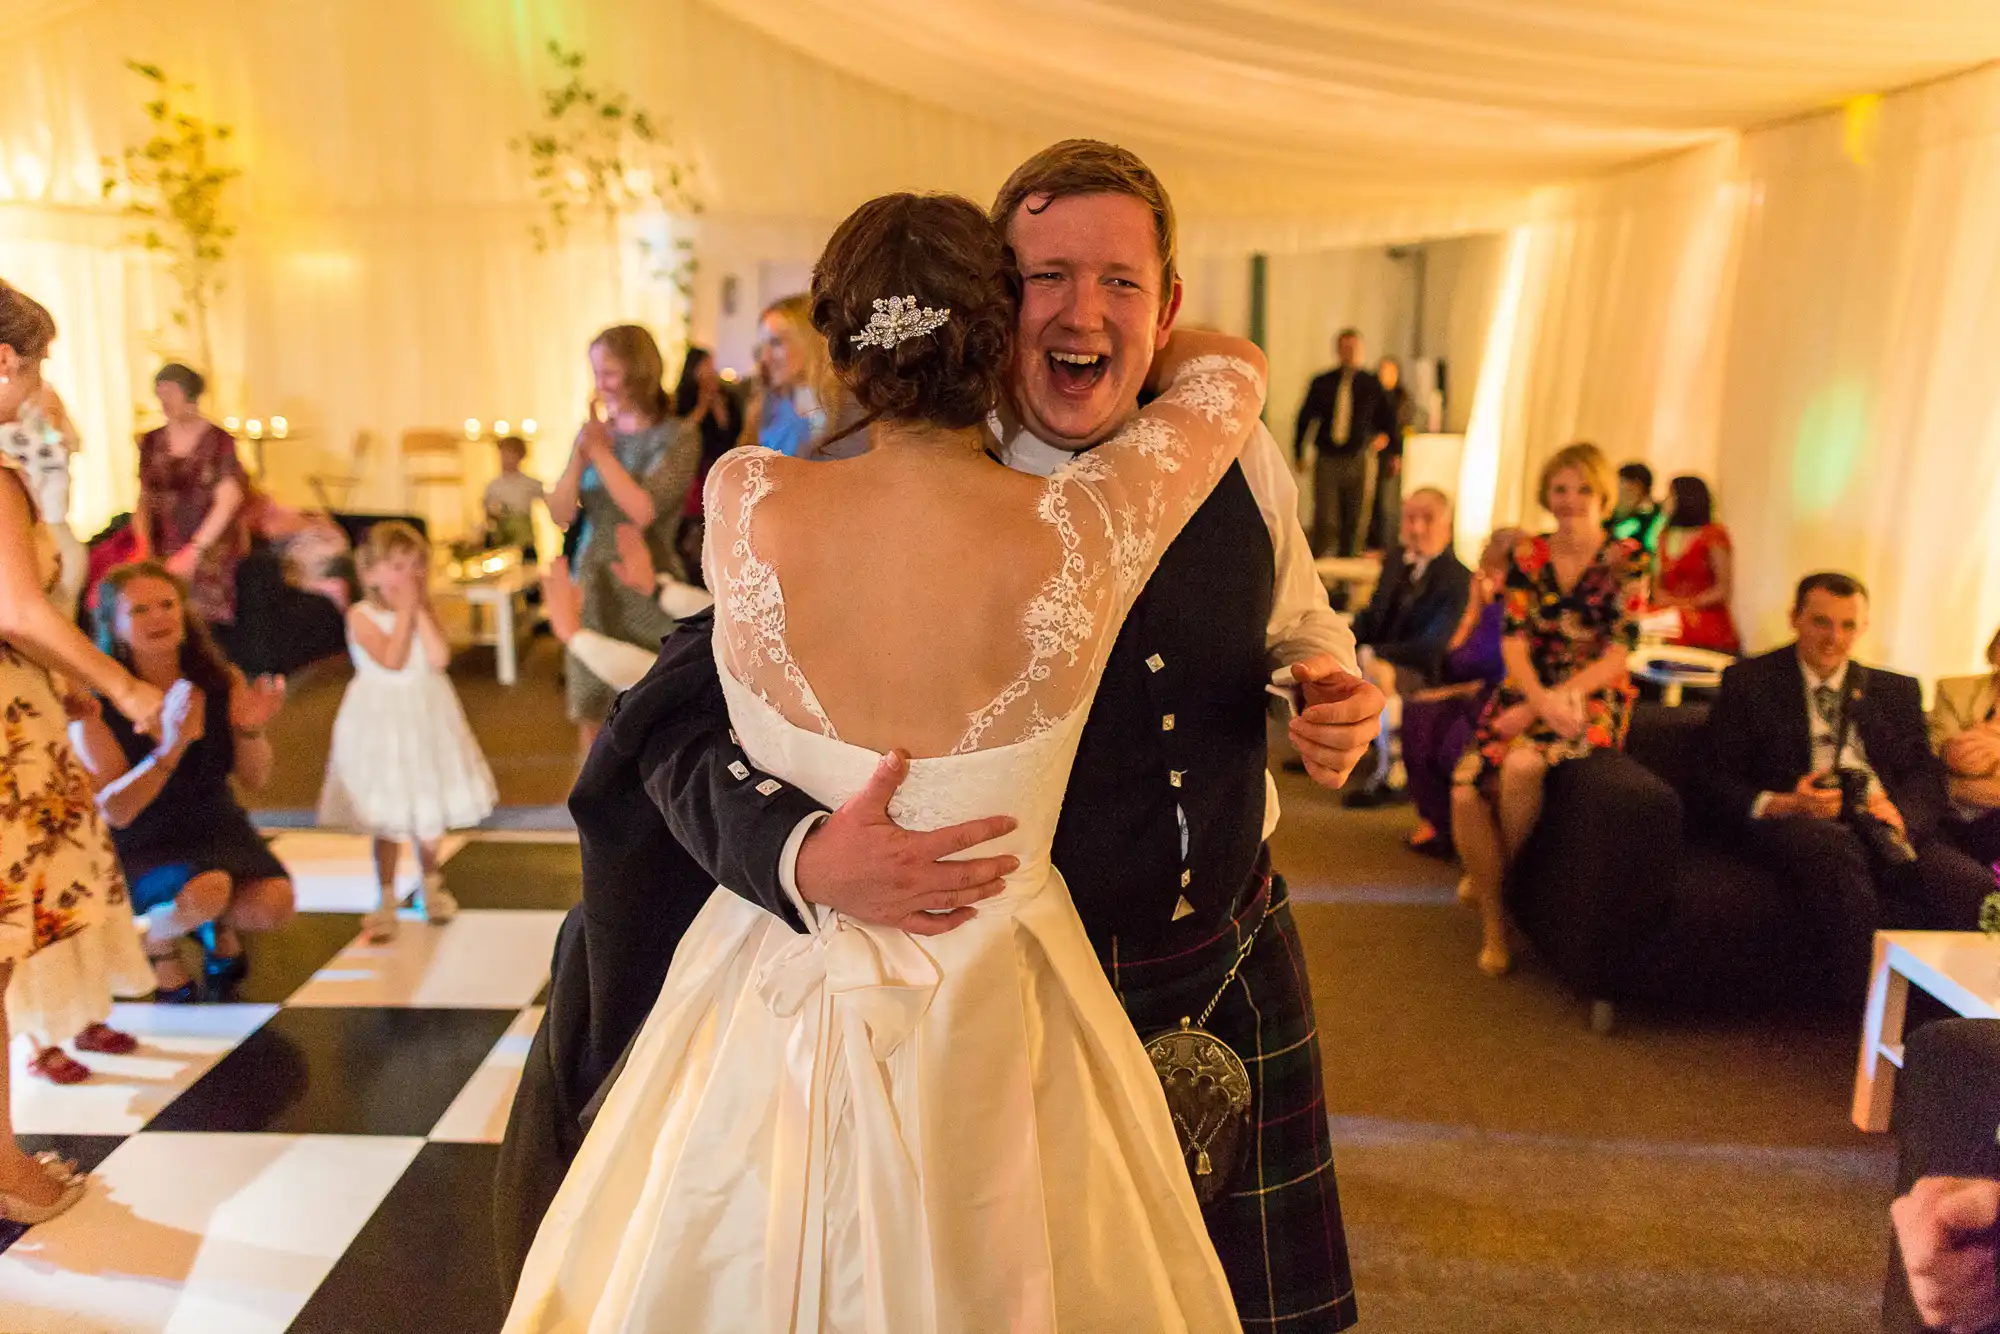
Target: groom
1162,833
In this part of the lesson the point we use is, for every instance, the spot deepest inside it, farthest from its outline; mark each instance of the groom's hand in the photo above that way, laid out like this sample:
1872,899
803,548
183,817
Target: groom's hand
864,865
1342,717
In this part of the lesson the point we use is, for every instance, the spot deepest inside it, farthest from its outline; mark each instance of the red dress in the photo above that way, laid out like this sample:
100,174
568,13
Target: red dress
1690,575
177,494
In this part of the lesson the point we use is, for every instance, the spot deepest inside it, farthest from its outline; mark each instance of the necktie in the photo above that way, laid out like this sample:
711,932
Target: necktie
1826,703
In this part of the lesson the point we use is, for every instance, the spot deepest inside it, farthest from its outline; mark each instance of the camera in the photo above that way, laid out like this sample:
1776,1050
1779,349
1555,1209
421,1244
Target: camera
1884,843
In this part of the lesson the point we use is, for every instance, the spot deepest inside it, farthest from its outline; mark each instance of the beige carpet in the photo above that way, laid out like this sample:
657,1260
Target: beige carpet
1503,1169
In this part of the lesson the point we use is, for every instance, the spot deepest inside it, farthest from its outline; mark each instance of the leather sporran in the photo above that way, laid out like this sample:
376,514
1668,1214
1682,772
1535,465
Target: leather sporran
1208,1095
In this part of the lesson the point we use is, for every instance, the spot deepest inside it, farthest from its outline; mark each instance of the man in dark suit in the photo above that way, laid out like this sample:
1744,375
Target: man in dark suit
1350,421
1163,828
1783,725
1405,630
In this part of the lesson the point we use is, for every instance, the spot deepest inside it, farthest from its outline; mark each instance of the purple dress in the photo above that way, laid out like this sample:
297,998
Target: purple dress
1437,731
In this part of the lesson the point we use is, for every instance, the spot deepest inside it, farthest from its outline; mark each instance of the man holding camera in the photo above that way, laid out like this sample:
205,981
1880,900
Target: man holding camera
1825,769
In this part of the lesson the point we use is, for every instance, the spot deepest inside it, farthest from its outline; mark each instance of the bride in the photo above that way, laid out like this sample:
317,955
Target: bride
858,1129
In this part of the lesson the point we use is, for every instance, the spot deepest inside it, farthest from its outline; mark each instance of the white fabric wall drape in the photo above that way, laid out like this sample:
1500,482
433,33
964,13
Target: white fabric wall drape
1805,317
1862,408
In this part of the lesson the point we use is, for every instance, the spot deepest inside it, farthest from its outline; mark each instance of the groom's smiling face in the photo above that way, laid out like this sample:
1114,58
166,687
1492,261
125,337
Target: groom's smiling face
1092,313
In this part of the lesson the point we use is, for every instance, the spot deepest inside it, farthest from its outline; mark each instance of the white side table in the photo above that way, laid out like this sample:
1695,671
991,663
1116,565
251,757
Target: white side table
1960,968
504,592
1673,669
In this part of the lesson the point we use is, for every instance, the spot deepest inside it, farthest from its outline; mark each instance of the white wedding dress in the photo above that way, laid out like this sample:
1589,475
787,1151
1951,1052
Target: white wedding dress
862,1130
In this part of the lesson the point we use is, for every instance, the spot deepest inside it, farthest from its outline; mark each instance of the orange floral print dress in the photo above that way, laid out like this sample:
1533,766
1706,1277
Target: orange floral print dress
1566,632
58,873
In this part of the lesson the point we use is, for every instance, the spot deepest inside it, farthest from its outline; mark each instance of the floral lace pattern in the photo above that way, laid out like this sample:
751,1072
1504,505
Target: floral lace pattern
1110,512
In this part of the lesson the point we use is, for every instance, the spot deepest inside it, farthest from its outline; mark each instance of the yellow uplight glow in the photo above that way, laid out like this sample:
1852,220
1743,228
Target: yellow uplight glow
279,426
500,428
528,426
254,428
231,424
472,428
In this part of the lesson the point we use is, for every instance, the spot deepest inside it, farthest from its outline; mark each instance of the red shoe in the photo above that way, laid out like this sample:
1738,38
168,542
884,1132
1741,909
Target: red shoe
58,1067
106,1039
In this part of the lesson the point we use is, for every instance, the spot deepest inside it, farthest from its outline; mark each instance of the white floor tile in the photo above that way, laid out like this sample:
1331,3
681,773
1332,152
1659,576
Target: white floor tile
177,1045
199,1234
486,959
334,872
478,1115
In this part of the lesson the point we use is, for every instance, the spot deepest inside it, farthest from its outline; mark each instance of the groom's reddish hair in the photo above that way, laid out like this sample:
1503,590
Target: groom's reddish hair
1091,167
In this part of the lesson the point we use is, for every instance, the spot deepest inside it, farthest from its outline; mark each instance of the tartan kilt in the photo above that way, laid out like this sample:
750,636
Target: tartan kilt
1278,1231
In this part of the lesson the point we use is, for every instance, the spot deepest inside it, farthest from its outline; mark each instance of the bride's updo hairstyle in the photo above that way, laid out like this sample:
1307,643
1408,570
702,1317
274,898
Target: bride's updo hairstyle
941,250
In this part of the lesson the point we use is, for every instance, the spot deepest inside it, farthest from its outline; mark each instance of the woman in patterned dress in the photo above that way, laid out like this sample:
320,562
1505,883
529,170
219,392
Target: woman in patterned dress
1573,599
191,496
57,871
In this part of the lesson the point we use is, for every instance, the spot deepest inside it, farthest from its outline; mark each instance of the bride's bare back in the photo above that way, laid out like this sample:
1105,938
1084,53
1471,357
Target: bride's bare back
923,596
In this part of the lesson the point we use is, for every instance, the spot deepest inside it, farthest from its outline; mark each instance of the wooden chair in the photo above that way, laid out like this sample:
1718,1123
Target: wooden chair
433,469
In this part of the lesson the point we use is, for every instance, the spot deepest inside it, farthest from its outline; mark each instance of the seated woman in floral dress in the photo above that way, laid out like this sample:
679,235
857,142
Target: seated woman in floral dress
1571,618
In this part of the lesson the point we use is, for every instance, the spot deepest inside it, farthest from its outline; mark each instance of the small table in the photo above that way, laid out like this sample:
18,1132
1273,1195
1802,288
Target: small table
508,581
1674,669
1360,573
1960,968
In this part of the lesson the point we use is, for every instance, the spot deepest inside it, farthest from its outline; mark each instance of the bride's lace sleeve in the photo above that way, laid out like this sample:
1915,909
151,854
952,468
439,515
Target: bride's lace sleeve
749,602
1147,481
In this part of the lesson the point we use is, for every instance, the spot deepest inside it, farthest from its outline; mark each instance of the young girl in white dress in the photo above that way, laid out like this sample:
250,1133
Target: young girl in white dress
404,765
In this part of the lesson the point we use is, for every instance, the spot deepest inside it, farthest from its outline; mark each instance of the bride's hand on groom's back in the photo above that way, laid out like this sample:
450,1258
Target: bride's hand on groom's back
864,865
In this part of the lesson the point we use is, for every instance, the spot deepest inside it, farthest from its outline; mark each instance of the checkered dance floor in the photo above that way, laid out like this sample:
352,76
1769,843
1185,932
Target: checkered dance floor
318,1157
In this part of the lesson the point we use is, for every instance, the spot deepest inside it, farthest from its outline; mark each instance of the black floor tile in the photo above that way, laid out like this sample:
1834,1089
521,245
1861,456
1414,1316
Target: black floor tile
350,1071
516,875
88,1152
283,961
424,1262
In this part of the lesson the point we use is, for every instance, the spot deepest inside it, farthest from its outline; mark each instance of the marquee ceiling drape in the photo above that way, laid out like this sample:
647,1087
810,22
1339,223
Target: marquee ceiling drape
1375,102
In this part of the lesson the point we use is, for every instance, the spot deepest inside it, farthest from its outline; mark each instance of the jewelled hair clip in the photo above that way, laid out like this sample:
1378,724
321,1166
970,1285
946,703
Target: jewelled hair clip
898,319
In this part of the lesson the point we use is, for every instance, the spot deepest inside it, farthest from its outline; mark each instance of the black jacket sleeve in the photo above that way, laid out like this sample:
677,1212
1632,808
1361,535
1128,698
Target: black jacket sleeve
731,818
1424,636
1315,412
1372,621
1911,772
1729,776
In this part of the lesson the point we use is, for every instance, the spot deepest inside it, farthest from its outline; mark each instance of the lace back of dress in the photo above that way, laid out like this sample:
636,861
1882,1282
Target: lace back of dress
1108,516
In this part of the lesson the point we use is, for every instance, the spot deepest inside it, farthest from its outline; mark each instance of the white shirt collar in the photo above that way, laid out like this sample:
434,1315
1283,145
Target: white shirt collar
1029,453
1838,680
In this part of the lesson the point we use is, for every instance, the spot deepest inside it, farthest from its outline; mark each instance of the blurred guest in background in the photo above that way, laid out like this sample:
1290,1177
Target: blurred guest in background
1823,770
1387,509
45,438
793,358
191,494
1405,630
510,499
194,861
632,463
1438,720
1572,605
1965,729
702,398
1636,516
1697,570
1347,419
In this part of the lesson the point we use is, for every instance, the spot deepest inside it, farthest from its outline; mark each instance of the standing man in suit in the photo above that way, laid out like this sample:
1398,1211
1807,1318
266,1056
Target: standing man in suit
1163,829
1349,420
1405,630
1783,726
